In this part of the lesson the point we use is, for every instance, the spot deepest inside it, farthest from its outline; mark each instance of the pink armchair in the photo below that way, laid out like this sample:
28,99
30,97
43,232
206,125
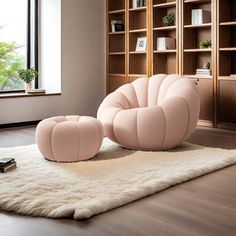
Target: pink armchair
151,114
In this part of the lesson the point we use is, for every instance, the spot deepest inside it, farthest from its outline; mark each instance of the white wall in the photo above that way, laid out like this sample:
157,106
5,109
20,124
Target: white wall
50,45
83,67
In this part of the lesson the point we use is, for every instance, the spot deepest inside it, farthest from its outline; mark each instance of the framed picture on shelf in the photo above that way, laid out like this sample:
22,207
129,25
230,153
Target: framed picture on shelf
117,25
141,45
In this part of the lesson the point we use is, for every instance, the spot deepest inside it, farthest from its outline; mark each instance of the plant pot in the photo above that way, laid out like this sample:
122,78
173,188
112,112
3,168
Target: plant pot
28,86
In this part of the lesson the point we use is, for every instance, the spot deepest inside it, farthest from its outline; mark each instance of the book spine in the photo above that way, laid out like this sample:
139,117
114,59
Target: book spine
139,3
197,16
135,3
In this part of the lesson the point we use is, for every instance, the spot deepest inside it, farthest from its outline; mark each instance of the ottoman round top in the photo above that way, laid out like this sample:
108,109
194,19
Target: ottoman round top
69,138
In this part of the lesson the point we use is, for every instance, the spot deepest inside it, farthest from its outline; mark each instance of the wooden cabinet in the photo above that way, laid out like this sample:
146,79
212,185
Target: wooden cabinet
226,67
124,64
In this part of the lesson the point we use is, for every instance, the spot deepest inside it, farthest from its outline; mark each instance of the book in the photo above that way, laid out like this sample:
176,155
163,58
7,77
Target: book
8,167
164,43
233,75
33,91
6,161
139,3
203,72
135,3
200,16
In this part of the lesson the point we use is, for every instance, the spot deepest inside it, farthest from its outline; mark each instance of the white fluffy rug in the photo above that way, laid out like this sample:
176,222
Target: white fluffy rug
115,177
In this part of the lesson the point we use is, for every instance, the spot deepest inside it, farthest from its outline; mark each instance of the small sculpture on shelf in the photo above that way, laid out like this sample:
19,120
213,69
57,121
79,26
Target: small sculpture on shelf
169,19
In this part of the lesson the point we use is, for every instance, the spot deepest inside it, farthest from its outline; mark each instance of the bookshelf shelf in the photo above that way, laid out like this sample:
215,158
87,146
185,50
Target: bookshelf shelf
197,1
138,9
228,49
119,32
198,50
198,76
116,53
229,23
165,5
138,31
206,25
121,11
165,51
118,75
137,52
165,28
137,75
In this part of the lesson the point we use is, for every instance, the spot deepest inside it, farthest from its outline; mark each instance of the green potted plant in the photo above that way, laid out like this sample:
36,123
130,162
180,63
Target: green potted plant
205,44
27,75
169,19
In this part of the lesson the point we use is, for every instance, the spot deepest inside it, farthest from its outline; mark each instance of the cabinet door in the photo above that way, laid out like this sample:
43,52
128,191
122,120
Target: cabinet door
114,82
205,90
227,101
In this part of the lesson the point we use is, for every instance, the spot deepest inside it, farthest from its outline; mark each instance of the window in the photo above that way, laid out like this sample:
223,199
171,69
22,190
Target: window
18,41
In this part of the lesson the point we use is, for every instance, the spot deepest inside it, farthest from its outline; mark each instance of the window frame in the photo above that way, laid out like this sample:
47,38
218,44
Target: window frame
32,43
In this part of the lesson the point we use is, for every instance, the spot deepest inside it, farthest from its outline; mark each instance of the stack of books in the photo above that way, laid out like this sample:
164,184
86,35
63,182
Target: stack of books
203,72
165,43
200,16
7,164
139,3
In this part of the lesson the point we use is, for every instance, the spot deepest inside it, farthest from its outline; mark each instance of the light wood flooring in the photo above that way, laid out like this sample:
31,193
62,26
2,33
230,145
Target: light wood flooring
203,206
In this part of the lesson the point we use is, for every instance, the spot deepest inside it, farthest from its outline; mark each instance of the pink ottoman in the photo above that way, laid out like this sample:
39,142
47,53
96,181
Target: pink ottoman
69,138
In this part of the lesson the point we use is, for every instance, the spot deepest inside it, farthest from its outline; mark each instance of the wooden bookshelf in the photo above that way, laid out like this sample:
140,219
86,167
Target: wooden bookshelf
124,64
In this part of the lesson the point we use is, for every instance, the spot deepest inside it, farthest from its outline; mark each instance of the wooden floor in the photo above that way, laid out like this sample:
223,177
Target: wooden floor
203,206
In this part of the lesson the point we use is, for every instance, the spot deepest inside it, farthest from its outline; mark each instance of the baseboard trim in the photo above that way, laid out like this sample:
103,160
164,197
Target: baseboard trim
228,126
205,123
19,124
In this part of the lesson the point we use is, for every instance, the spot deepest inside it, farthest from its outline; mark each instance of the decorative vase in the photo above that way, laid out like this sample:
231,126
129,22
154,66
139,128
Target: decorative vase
28,86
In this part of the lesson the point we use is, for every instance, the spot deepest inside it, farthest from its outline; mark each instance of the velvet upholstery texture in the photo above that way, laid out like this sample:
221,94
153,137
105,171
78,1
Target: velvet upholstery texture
151,114
69,138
